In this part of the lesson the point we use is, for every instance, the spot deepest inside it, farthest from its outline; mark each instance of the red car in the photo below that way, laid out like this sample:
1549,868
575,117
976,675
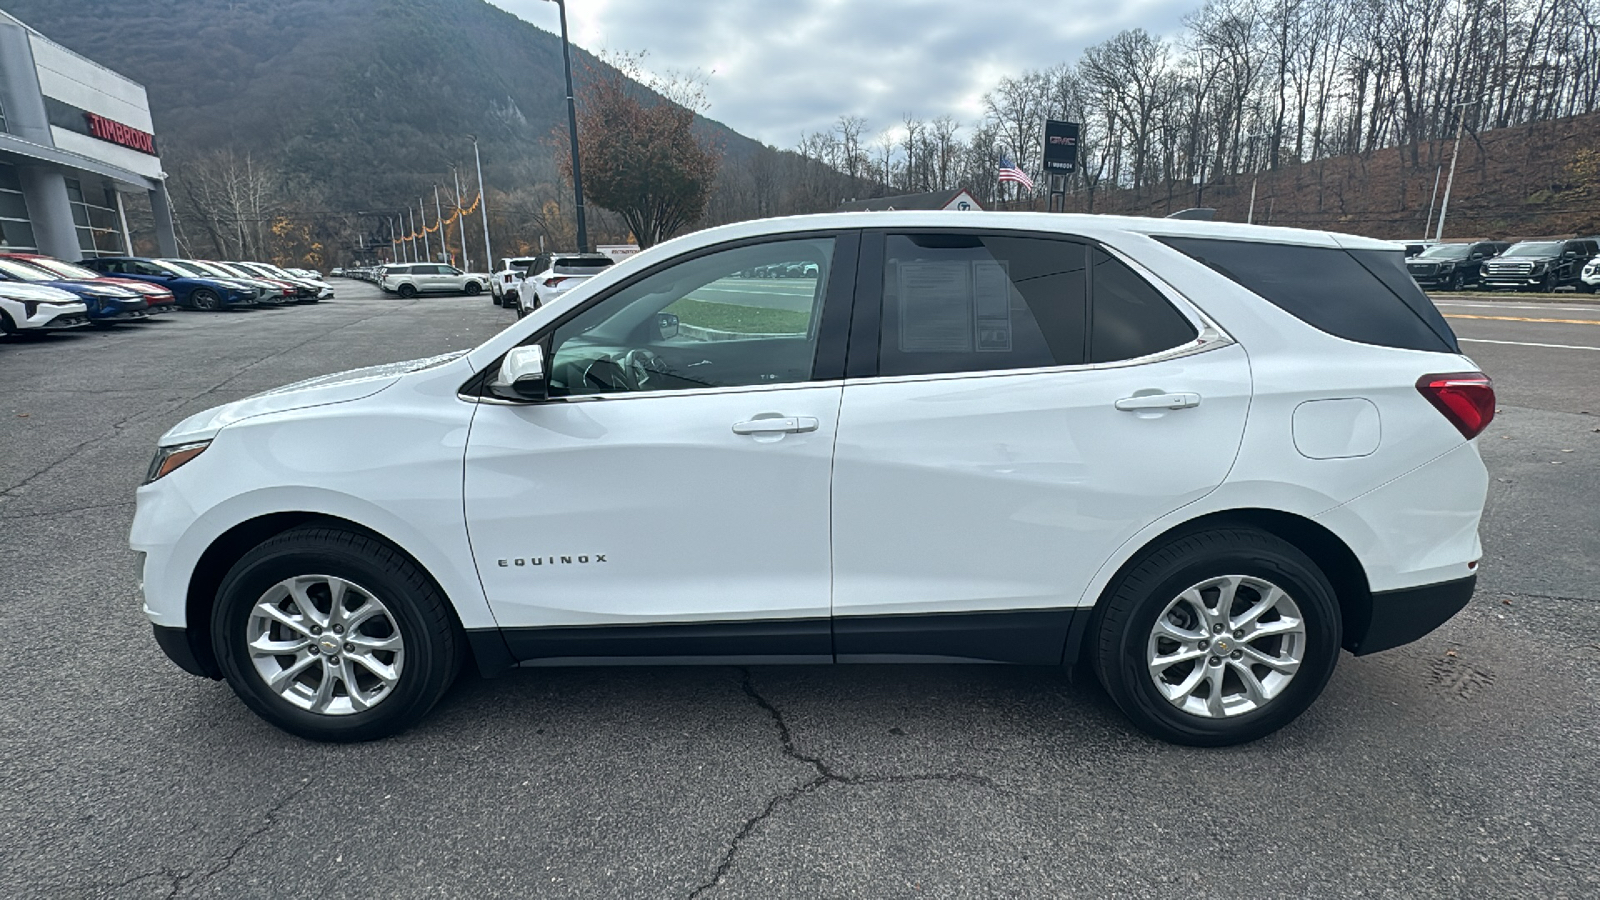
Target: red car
159,298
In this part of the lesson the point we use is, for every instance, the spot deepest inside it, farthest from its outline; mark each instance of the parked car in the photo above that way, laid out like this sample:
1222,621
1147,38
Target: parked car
1260,451
37,308
503,283
1540,265
554,276
1451,267
410,279
274,291
336,272
309,288
157,298
192,288
105,304
1591,275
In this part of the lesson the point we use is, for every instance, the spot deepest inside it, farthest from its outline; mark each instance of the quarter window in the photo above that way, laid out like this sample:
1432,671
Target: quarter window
707,322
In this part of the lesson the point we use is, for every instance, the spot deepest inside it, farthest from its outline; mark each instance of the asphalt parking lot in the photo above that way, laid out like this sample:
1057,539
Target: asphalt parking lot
1463,765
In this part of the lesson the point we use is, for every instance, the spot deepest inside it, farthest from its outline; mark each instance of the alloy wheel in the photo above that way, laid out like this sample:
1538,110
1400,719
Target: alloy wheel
325,645
1226,646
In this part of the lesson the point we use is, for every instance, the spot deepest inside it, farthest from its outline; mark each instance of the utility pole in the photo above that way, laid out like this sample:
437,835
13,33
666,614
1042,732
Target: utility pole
1255,173
427,245
1461,124
572,131
1432,202
461,219
438,216
483,205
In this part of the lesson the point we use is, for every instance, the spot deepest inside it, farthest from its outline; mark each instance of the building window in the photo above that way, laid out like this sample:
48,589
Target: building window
94,216
16,231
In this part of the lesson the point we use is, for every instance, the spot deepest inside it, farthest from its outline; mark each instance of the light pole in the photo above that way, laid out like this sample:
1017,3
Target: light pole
461,220
572,131
413,234
438,216
392,244
1255,173
427,245
1444,205
483,206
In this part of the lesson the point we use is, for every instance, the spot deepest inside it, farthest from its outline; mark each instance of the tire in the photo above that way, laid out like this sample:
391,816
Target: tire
1548,285
1208,566
412,634
510,298
407,291
205,299
1455,282
473,289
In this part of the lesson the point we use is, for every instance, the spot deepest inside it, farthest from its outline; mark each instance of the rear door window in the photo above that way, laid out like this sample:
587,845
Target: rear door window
991,302
1359,295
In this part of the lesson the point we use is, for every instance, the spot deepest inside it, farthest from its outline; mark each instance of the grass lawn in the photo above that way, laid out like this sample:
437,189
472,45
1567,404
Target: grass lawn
742,319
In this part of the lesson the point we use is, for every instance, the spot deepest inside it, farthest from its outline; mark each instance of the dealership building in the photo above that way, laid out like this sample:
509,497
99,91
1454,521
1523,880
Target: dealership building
75,138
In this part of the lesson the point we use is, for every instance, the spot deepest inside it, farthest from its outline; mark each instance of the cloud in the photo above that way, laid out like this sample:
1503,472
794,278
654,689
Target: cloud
776,69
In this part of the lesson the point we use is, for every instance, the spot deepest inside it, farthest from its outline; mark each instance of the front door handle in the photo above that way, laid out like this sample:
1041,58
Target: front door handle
777,425
1158,401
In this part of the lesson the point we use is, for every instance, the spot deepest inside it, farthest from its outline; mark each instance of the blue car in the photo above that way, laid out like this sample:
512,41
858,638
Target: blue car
106,303
193,288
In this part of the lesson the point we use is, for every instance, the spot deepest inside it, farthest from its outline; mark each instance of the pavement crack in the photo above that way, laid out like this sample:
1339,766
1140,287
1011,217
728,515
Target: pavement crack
824,777
270,818
63,512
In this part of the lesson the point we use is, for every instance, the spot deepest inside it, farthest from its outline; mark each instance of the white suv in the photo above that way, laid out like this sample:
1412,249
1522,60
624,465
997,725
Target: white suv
551,276
410,279
503,284
1196,458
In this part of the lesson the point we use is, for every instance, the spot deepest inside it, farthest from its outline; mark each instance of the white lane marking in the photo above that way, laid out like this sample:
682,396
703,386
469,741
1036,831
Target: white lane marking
1525,344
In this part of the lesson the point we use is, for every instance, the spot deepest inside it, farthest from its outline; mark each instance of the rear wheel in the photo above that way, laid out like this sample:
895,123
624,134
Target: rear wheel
205,299
1218,637
334,636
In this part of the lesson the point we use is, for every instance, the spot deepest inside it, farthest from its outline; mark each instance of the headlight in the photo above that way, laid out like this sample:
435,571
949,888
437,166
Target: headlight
1539,266
1446,266
170,459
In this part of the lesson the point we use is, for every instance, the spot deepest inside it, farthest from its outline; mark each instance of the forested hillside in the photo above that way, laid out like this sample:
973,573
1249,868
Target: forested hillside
291,115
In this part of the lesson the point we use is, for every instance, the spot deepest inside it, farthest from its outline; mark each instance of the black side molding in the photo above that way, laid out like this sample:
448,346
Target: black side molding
1023,637
792,640
1400,617
174,642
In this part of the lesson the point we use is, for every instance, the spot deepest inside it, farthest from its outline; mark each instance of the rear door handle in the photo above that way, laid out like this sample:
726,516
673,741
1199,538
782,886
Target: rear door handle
777,425
1158,401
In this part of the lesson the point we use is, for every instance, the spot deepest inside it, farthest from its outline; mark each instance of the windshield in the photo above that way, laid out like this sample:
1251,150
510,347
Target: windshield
24,272
235,271
208,268
184,267
1446,251
64,269
1535,248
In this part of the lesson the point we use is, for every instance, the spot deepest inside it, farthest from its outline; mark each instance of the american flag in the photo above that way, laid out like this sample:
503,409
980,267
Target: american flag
1009,172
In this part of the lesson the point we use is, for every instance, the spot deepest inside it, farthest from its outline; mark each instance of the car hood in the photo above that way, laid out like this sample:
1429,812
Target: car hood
16,290
340,387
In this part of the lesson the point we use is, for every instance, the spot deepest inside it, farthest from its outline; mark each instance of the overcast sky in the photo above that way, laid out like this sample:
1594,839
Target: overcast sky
776,69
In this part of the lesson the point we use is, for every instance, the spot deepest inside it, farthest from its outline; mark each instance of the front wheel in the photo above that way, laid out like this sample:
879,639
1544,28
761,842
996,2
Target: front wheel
407,291
473,289
333,636
1455,282
205,299
1219,637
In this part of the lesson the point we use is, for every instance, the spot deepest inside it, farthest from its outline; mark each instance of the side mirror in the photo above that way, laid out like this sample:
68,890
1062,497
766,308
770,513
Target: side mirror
666,326
522,376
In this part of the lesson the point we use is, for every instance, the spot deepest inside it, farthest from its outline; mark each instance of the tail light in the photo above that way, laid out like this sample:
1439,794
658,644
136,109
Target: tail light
1465,398
554,280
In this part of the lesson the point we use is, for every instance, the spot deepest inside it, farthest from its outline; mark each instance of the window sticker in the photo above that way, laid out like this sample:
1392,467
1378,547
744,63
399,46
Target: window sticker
991,305
935,307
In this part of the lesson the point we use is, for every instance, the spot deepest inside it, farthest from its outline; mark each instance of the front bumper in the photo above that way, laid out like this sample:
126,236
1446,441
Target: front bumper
120,315
1512,282
174,642
1399,617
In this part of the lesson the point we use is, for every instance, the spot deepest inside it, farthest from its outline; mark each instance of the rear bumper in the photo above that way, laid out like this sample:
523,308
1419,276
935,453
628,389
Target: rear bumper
1400,617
